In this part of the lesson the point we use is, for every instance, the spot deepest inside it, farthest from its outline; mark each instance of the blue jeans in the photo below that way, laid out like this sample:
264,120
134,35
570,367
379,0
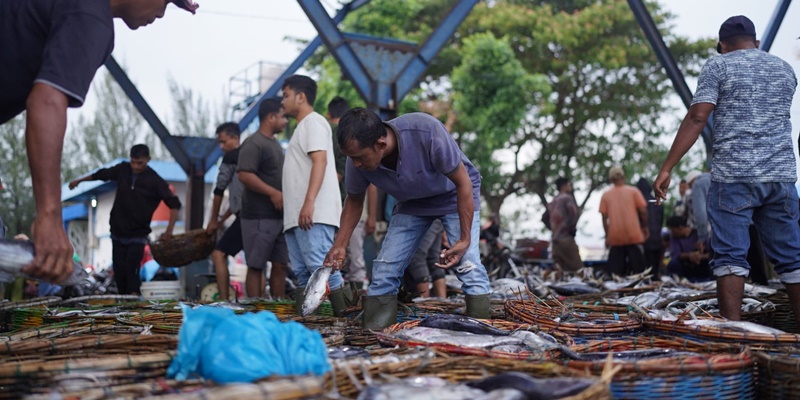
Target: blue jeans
307,251
401,242
773,208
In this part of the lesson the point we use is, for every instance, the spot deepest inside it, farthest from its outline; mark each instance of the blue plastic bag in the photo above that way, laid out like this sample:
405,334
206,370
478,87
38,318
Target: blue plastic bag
219,345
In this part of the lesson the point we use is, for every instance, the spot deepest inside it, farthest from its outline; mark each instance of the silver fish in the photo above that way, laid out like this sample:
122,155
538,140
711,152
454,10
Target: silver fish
315,289
572,288
661,315
741,326
533,388
427,388
534,341
503,394
456,338
511,348
16,254
461,323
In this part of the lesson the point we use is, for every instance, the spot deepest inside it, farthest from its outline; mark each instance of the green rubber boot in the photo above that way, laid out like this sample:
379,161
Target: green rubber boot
379,311
299,297
478,306
339,301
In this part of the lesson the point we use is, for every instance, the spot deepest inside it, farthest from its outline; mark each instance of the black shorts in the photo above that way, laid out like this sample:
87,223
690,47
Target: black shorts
231,241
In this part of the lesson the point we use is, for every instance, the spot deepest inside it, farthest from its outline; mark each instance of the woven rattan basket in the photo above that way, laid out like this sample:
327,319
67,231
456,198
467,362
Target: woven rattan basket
783,318
540,314
718,371
349,381
778,374
183,249
41,373
707,333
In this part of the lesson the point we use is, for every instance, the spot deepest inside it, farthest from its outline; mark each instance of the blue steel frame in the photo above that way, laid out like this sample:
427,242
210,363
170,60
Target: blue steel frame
382,88
671,67
382,94
382,91
252,112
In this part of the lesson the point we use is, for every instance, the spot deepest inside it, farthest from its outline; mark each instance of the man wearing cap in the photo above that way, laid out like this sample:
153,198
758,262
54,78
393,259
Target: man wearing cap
624,211
414,159
753,167
49,53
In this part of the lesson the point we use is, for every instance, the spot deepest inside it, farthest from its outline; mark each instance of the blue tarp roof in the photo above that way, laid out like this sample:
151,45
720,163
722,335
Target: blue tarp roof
169,170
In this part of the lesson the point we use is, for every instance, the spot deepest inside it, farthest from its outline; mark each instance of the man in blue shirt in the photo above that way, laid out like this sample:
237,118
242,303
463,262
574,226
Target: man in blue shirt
414,159
753,168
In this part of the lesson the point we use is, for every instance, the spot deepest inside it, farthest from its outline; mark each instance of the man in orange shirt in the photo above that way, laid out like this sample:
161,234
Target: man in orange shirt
625,223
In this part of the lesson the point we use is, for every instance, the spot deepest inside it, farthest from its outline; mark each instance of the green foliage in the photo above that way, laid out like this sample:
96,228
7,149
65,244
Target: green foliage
191,113
492,90
609,91
16,197
107,134
492,94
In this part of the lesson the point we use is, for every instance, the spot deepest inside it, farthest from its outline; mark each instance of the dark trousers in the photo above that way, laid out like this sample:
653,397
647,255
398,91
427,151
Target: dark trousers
653,258
625,260
127,259
757,258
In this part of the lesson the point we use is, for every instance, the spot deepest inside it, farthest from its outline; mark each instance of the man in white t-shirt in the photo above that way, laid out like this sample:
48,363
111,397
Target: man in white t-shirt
311,199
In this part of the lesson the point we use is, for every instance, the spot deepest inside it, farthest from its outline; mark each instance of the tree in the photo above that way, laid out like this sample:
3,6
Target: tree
17,207
609,91
492,95
107,134
191,113
607,97
116,125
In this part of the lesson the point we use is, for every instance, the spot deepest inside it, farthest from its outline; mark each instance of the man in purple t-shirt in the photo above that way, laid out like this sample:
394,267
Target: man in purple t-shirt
414,159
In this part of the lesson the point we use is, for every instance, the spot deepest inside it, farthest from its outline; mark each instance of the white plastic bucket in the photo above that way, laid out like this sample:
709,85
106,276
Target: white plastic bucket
161,290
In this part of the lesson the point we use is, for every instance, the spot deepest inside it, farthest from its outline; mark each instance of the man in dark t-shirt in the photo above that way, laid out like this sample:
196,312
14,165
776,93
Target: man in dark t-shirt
261,170
49,53
231,242
139,192
336,108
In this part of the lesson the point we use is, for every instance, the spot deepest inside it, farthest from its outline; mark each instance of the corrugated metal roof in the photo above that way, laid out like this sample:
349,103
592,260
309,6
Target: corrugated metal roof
171,171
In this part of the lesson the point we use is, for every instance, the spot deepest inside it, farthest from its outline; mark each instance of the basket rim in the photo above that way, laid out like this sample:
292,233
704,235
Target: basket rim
516,309
717,333
773,360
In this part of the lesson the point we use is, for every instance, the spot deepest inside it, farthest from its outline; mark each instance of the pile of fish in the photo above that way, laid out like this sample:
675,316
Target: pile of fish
584,281
680,301
505,386
508,289
463,331
738,326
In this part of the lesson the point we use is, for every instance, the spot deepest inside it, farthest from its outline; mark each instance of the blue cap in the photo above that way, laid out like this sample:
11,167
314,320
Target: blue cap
735,26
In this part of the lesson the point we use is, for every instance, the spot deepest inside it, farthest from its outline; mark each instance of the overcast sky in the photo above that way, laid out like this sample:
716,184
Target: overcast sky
226,36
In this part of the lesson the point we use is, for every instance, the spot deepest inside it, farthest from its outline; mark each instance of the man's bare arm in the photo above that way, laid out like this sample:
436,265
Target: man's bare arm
44,139
319,161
